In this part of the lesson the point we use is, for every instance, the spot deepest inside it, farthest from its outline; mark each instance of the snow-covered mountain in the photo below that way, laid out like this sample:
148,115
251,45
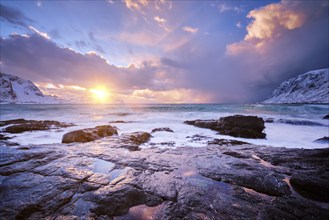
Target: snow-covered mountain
310,87
17,90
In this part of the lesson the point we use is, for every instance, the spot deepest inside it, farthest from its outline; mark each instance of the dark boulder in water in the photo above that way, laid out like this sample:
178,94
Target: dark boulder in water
4,137
236,126
222,142
299,122
89,134
162,129
22,125
326,117
269,120
324,140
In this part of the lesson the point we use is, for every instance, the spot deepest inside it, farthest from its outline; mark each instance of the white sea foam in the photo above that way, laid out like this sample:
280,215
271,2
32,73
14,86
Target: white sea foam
148,117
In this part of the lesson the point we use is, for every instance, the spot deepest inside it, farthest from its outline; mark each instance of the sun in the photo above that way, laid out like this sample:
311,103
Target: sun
100,94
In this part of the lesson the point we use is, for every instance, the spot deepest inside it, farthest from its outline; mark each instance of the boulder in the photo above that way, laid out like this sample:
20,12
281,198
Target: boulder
89,134
139,137
242,126
326,117
236,126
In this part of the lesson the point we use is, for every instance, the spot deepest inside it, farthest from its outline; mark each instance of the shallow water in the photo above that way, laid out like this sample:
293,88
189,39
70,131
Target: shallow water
145,117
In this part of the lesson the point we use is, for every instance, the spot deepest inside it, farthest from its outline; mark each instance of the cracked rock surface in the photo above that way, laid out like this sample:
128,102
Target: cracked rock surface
103,179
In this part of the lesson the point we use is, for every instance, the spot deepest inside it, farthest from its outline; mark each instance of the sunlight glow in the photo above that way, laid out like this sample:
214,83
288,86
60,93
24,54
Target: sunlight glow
100,95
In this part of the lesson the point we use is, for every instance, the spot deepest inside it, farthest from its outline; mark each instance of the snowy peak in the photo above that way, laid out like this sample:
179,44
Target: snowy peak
17,90
310,87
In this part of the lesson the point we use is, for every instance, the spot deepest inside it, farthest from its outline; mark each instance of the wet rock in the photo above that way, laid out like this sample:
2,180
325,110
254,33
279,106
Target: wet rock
324,140
14,121
131,141
211,124
314,185
197,137
118,201
89,134
236,126
167,144
162,129
118,121
22,125
100,180
226,142
4,137
138,138
252,178
269,120
242,126
299,122
326,117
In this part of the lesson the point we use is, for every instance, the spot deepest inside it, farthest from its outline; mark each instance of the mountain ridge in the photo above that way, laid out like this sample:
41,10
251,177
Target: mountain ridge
311,87
15,90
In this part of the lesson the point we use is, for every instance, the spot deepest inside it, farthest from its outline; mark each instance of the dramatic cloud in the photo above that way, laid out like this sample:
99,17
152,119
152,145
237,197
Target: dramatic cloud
283,40
269,22
190,29
14,16
156,53
291,40
62,69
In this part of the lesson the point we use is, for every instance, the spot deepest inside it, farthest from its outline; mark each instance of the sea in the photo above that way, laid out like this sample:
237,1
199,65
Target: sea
293,126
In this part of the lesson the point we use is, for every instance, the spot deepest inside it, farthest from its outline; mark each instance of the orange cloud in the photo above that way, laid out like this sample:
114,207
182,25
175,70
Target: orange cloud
268,23
136,4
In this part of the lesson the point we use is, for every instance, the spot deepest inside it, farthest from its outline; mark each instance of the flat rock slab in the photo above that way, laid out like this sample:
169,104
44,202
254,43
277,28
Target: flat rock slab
99,180
21,125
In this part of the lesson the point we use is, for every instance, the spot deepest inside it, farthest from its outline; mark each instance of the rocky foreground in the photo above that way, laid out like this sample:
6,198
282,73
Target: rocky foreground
105,179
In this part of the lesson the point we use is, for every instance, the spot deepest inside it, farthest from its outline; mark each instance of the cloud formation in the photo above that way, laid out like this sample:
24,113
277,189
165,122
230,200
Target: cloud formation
224,7
269,22
135,4
160,20
190,29
67,70
43,34
163,63
14,16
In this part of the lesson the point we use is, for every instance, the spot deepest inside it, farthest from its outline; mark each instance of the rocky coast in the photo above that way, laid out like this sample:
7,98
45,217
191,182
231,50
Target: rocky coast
114,178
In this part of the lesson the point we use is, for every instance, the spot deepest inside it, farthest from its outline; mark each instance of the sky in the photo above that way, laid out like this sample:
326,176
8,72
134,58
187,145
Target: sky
139,51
